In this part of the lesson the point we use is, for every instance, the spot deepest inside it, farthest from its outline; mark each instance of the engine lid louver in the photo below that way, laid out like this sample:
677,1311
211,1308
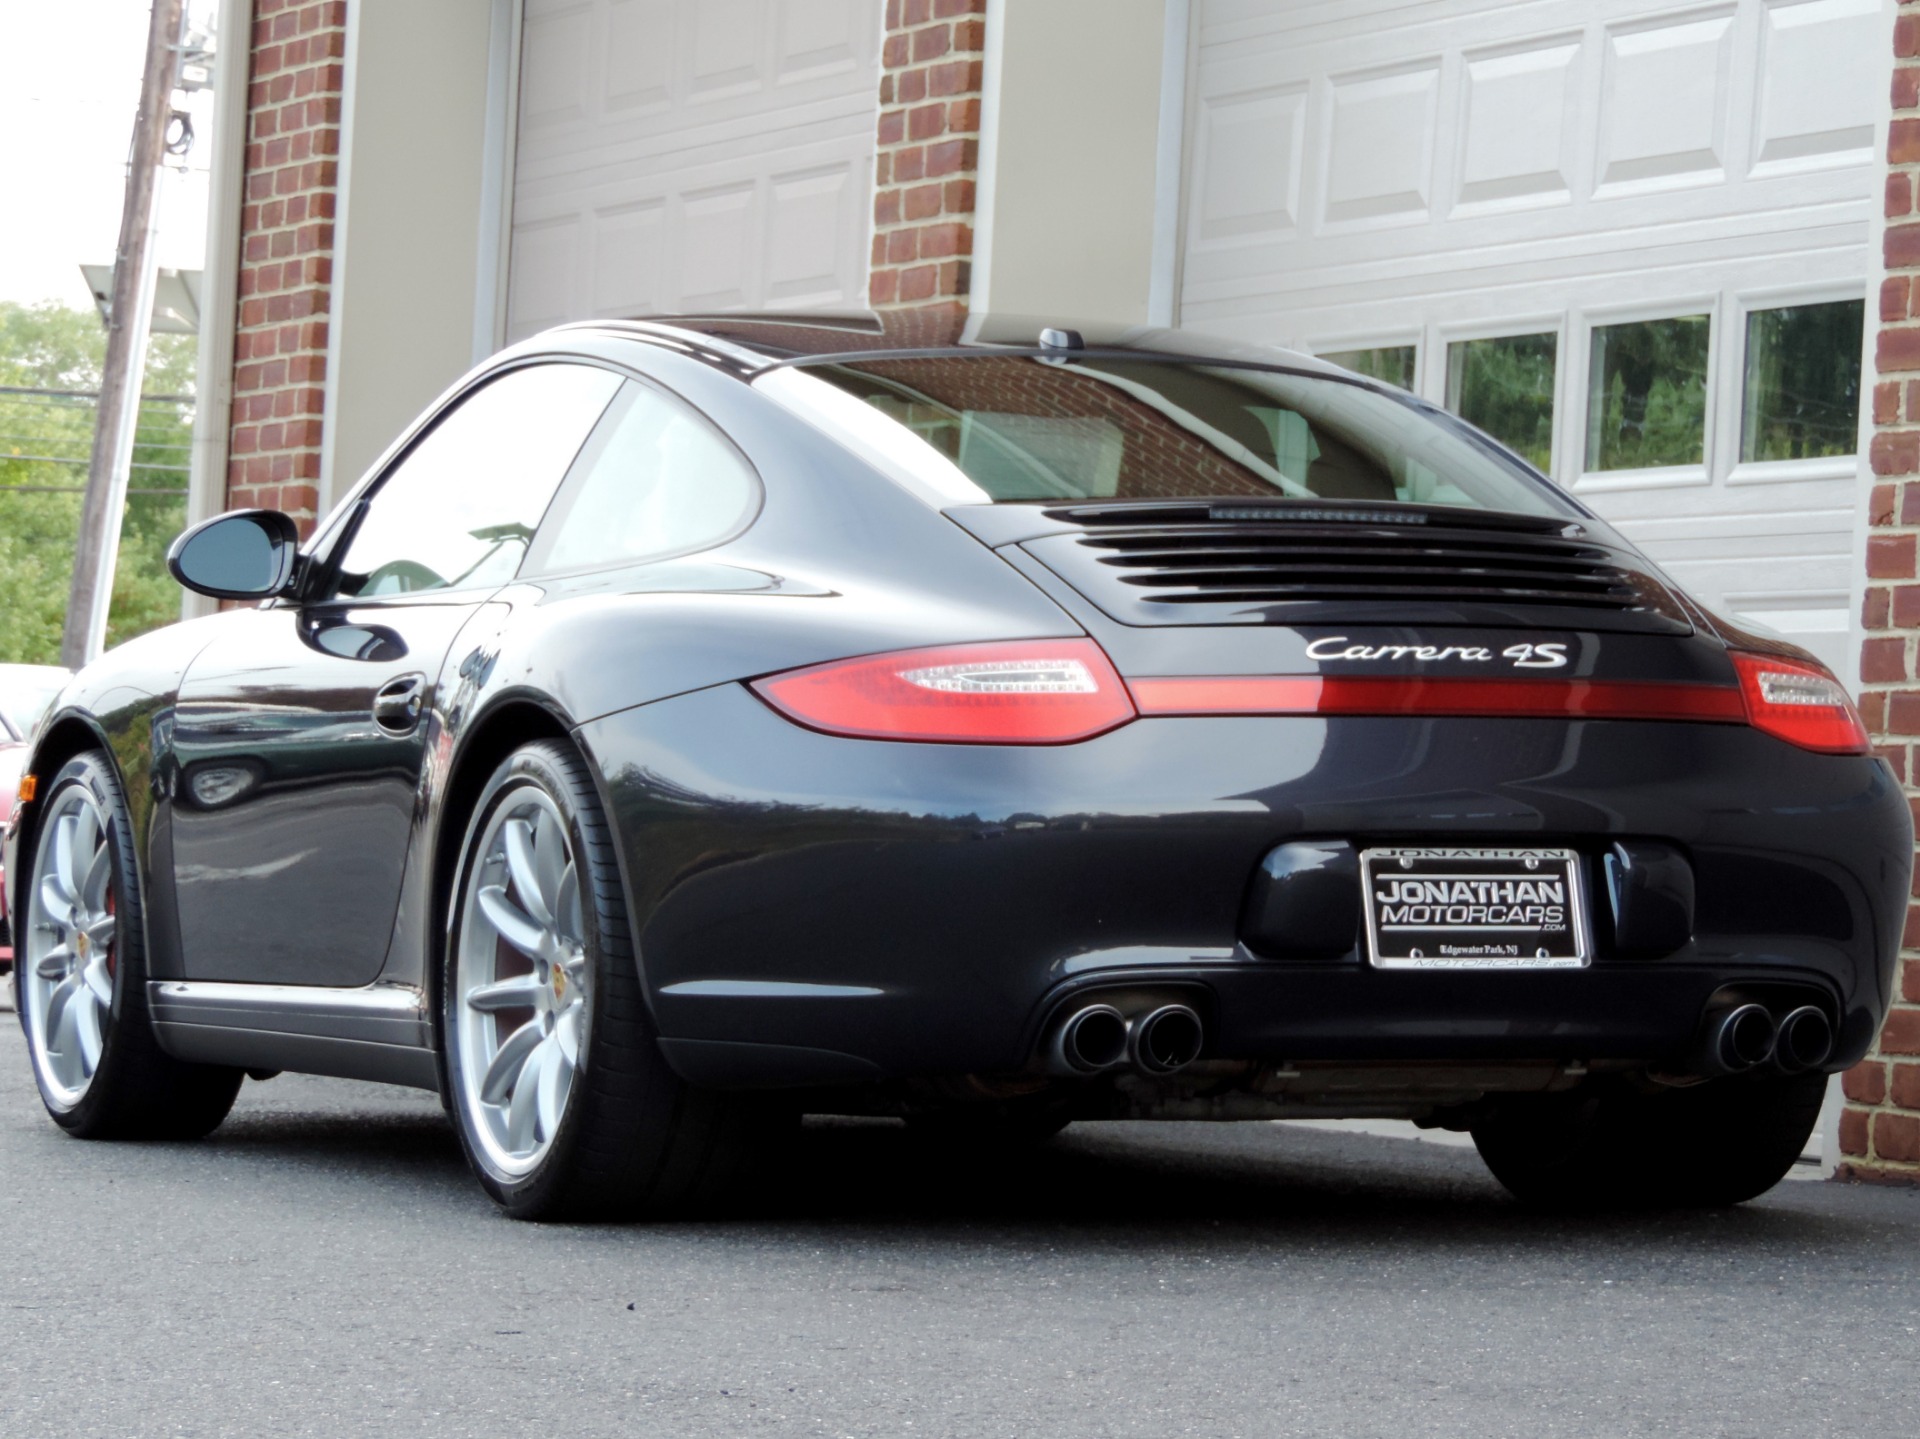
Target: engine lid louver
1187,567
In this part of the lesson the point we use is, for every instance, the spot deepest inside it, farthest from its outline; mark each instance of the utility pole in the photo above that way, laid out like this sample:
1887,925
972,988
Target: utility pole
132,313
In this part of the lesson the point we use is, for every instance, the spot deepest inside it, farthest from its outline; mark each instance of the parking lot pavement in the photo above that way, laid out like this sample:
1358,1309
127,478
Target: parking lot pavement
324,1265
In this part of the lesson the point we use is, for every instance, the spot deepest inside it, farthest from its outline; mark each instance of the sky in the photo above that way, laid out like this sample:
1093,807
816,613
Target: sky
67,104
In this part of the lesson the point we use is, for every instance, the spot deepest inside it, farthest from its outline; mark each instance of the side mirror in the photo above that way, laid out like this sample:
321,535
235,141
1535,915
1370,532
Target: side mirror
241,555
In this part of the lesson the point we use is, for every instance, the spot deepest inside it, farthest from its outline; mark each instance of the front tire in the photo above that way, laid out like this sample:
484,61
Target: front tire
564,1105
1709,1145
81,978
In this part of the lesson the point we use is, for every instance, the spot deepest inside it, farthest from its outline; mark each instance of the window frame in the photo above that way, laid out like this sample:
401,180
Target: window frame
330,543
1413,340
1714,434
1439,363
749,514
1741,304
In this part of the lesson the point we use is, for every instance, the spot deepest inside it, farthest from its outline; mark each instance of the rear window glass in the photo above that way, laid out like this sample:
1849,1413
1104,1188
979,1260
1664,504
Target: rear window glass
1028,428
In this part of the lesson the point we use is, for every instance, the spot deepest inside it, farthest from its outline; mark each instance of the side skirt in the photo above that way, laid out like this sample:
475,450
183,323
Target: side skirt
381,1033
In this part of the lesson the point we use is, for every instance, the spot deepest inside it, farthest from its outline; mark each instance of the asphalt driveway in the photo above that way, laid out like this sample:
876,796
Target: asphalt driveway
324,1266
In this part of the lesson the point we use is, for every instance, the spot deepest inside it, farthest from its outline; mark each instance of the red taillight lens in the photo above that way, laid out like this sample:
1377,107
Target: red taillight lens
1017,692
1800,703
1413,695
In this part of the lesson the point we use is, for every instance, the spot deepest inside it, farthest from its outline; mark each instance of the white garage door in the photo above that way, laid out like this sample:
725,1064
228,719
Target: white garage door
1630,239
692,155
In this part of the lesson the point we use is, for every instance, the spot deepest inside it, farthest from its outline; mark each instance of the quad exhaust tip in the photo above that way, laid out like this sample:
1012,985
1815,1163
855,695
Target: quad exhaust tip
1747,1036
1089,1040
1739,1039
1805,1040
1098,1037
1165,1040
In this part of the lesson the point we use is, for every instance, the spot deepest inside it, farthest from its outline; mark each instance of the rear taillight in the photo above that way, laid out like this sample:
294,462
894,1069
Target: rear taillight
1017,692
1800,703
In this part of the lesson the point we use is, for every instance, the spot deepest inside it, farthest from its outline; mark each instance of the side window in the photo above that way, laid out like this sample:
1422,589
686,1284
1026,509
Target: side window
655,479
459,511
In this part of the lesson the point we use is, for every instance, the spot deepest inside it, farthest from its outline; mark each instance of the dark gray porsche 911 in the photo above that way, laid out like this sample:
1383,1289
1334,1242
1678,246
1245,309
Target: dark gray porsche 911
692,724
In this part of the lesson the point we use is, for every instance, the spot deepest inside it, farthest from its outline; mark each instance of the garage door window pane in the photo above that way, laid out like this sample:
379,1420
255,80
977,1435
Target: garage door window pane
1505,386
1393,363
1802,382
1647,397
656,479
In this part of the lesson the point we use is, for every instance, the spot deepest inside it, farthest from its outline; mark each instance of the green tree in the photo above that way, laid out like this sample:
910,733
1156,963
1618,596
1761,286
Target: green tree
51,347
1648,405
1505,386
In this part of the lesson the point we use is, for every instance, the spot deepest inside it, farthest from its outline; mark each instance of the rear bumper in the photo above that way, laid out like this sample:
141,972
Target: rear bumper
819,910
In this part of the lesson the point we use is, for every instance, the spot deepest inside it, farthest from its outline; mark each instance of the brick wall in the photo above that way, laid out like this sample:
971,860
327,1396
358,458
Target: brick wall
286,249
929,155
1880,1126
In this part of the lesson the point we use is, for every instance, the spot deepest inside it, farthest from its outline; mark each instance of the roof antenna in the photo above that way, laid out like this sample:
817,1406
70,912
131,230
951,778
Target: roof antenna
1052,339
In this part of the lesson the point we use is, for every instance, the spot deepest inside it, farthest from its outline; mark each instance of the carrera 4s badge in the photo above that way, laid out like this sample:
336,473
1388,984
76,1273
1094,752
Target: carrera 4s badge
1538,656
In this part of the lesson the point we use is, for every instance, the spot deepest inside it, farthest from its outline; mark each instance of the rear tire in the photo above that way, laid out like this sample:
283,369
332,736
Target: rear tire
80,980
1613,1147
627,1137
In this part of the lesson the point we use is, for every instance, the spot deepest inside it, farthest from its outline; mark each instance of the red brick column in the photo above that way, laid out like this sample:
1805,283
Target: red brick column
286,249
929,155
1880,1126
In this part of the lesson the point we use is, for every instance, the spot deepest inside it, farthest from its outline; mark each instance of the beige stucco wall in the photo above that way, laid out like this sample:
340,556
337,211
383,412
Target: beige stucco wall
417,172
1071,121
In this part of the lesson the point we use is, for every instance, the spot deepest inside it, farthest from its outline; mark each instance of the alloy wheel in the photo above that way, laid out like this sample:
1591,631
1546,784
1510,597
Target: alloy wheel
522,981
67,967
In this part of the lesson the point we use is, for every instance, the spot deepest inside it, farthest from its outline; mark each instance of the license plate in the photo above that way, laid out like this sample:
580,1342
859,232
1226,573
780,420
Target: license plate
1474,908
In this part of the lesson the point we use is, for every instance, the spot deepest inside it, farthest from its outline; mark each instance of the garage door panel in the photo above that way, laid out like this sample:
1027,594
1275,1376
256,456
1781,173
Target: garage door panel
1695,135
1819,85
629,69
629,258
710,155
819,39
1380,145
1473,169
556,68
1663,102
728,50
1517,125
546,257
1238,268
717,228
1488,272
1250,153
811,235
640,58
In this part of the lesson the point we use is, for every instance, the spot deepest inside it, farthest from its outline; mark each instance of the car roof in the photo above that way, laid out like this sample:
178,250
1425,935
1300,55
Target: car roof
750,343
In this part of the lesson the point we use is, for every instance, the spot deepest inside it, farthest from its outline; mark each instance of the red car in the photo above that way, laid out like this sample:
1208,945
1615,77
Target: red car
25,693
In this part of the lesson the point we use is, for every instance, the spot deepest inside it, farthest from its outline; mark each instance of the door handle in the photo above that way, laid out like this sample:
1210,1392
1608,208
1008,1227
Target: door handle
396,706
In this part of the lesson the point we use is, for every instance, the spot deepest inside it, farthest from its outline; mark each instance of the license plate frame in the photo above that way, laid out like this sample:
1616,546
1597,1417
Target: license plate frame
1504,898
